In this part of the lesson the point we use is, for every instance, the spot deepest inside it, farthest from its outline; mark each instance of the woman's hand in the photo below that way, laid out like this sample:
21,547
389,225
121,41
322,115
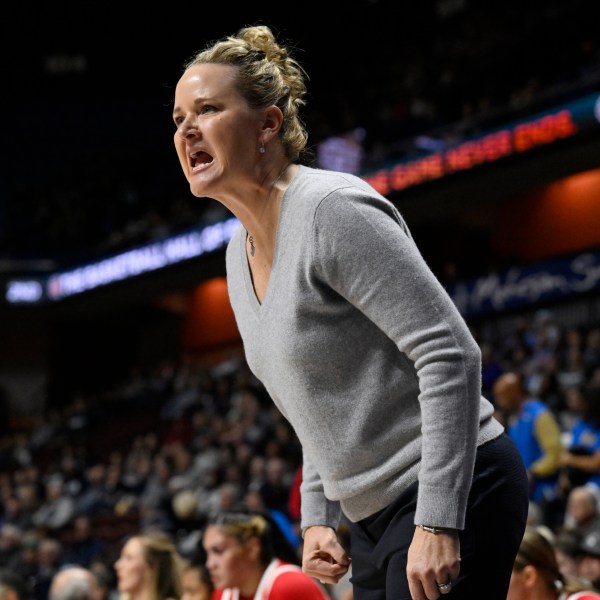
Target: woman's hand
323,556
433,560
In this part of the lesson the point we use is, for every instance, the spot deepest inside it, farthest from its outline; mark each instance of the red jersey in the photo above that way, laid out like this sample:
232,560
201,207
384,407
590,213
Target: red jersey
281,581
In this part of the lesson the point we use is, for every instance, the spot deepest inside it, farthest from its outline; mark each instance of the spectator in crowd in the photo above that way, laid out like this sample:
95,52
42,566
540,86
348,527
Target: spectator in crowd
536,575
387,403
49,560
589,563
572,411
57,508
106,578
591,351
582,510
94,498
73,582
224,497
82,545
155,494
580,462
535,515
570,370
25,563
491,369
13,586
196,582
247,556
567,547
275,490
14,513
10,542
536,433
27,493
150,567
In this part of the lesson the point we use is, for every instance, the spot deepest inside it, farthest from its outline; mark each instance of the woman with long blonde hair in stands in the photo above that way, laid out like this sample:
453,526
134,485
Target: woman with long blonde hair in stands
536,574
150,568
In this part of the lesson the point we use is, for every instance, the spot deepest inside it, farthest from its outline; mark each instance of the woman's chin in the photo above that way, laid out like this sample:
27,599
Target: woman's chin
197,188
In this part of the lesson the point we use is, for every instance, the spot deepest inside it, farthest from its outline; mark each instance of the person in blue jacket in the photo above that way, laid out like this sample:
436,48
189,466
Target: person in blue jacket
535,430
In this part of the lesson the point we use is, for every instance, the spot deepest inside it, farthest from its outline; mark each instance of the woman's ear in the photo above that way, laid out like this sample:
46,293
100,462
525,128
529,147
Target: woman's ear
530,576
271,123
253,548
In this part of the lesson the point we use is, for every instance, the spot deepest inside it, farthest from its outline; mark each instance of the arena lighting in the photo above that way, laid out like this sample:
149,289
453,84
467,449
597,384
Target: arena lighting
27,291
150,257
545,128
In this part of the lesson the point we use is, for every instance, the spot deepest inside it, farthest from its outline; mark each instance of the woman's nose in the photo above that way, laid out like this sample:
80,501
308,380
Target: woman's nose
187,129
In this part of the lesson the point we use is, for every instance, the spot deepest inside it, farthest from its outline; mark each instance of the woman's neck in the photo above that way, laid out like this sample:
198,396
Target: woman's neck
251,583
261,219
142,594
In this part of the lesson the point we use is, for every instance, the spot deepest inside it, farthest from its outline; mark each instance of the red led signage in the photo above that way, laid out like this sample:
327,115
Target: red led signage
511,140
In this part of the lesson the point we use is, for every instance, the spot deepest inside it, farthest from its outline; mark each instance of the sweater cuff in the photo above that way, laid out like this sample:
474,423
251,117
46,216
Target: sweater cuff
317,510
441,507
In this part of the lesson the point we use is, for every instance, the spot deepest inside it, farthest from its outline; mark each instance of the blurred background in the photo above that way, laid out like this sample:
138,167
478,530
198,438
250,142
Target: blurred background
121,369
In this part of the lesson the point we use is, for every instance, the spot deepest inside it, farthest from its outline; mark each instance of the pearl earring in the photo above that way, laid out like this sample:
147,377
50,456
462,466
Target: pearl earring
262,148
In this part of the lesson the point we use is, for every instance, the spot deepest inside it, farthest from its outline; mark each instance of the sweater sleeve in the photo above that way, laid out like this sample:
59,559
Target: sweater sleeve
364,251
316,509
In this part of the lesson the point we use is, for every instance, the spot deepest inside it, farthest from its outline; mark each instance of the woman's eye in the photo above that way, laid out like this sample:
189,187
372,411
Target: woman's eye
206,108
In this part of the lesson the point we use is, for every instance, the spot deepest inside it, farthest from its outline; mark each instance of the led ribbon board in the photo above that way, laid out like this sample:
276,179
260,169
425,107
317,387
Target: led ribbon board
147,258
521,136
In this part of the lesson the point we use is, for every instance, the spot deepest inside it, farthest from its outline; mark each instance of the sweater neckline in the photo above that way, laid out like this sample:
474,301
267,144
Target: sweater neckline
257,306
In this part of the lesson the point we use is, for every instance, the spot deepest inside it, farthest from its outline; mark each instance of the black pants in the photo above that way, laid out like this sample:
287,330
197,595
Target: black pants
495,523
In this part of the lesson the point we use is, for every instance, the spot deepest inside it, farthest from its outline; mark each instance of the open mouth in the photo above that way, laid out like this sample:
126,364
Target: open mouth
199,160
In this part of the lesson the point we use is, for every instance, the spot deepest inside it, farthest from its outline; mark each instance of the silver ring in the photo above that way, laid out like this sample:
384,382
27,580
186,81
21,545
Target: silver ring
444,587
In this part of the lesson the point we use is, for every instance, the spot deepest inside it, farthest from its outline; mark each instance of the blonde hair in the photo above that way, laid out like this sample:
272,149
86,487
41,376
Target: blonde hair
538,550
166,563
242,526
266,76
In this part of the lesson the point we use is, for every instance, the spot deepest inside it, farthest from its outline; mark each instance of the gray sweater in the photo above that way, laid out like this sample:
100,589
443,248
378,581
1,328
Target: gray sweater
363,351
